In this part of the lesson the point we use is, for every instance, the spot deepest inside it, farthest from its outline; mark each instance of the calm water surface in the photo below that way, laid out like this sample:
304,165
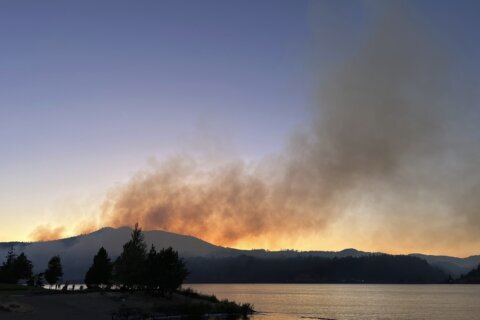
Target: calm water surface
359,302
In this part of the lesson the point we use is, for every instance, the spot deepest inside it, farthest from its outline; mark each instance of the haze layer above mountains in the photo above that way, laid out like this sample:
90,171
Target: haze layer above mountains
77,252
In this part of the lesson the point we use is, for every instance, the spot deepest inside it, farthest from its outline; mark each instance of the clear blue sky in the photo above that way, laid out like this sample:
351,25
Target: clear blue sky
90,90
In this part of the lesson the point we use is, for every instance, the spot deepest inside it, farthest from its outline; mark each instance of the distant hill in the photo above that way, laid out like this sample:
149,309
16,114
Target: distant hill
260,253
77,252
471,277
452,265
378,268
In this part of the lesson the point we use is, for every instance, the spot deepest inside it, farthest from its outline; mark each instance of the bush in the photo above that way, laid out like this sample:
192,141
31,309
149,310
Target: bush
189,292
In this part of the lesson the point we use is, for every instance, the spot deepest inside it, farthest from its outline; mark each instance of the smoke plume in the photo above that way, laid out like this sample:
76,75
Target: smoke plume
46,233
383,154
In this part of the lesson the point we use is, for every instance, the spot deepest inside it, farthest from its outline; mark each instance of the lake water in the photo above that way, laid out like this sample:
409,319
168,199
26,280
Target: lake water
348,302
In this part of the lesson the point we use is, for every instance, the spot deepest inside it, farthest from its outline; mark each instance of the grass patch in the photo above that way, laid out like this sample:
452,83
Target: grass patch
189,292
9,288
12,287
226,306
200,304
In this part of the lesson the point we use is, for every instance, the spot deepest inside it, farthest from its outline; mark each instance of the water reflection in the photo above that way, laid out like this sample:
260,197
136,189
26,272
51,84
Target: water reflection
349,302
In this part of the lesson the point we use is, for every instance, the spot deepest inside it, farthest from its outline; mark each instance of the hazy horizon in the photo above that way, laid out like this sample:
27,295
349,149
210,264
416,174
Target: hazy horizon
252,248
306,125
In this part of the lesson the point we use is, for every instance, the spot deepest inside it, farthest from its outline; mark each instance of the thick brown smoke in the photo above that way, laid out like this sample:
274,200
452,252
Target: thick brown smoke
222,205
377,139
380,145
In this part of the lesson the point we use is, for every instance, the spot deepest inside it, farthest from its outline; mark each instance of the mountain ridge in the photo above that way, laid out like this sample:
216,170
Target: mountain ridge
77,252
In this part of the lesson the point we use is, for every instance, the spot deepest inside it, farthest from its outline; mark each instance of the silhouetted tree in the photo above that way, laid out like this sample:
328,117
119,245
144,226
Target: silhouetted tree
7,270
54,271
471,277
172,270
153,277
22,268
100,273
165,271
15,268
130,265
376,268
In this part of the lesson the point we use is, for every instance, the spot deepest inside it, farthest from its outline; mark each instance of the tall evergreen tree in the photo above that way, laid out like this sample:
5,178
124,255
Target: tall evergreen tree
153,270
54,271
7,270
165,271
130,265
23,268
100,273
172,271
15,268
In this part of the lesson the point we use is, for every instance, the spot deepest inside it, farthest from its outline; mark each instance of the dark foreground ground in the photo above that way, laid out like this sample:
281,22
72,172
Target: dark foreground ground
45,305
57,306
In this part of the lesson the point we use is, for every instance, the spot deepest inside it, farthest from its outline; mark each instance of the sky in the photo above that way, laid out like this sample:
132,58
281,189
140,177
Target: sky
101,97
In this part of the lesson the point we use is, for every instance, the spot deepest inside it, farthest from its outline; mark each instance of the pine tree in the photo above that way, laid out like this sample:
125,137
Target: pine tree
173,271
130,265
153,270
100,273
54,271
22,268
7,270
165,271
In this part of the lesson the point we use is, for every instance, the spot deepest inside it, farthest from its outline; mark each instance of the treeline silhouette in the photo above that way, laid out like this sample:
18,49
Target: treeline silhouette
379,268
136,269
155,271
18,268
164,271
472,277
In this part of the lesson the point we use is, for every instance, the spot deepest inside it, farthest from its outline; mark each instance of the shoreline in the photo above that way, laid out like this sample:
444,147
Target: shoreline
29,303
